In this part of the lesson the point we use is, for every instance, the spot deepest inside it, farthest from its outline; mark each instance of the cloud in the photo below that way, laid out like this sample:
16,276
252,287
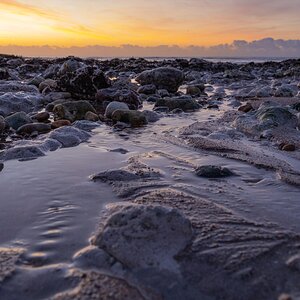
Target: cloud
18,7
267,47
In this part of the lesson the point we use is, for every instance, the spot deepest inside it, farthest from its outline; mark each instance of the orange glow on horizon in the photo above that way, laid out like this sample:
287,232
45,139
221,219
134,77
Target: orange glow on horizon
38,23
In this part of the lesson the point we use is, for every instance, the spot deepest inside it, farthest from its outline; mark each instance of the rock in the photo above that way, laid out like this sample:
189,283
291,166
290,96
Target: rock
210,171
18,119
132,117
245,108
72,110
60,123
41,117
34,127
287,147
285,91
22,152
93,257
18,87
69,136
163,93
37,80
275,116
141,236
261,92
177,111
12,102
2,124
153,99
86,125
151,116
193,90
1,167
51,71
70,66
119,150
115,175
148,89
47,83
4,74
162,109
125,95
115,105
163,78
84,83
50,106
186,104
90,116
212,106
294,262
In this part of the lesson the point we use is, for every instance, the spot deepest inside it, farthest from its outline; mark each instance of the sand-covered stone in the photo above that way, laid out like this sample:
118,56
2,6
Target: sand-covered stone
142,236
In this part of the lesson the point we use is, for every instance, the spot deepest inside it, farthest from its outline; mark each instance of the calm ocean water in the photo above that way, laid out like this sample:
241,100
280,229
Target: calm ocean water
236,60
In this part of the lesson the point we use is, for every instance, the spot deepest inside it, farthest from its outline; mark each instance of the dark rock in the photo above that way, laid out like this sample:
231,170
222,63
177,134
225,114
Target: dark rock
276,115
2,124
186,104
245,108
127,96
148,89
72,110
153,99
115,175
41,117
4,74
193,90
60,123
163,78
115,105
287,147
213,106
90,116
34,127
84,83
161,109
210,171
17,120
119,150
48,83
132,117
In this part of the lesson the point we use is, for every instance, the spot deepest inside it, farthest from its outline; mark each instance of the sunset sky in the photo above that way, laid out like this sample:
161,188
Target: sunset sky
145,23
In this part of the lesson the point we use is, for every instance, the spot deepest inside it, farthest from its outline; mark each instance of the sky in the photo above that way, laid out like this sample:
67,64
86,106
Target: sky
147,24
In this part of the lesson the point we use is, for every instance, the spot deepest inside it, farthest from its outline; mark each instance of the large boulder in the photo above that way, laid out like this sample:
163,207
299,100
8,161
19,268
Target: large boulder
14,102
84,83
17,120
141,236
132,117
113,94
115,105
163,78
183,103
72,110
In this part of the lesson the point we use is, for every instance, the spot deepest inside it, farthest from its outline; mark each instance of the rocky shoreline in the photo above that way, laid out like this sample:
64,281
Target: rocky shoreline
161,241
